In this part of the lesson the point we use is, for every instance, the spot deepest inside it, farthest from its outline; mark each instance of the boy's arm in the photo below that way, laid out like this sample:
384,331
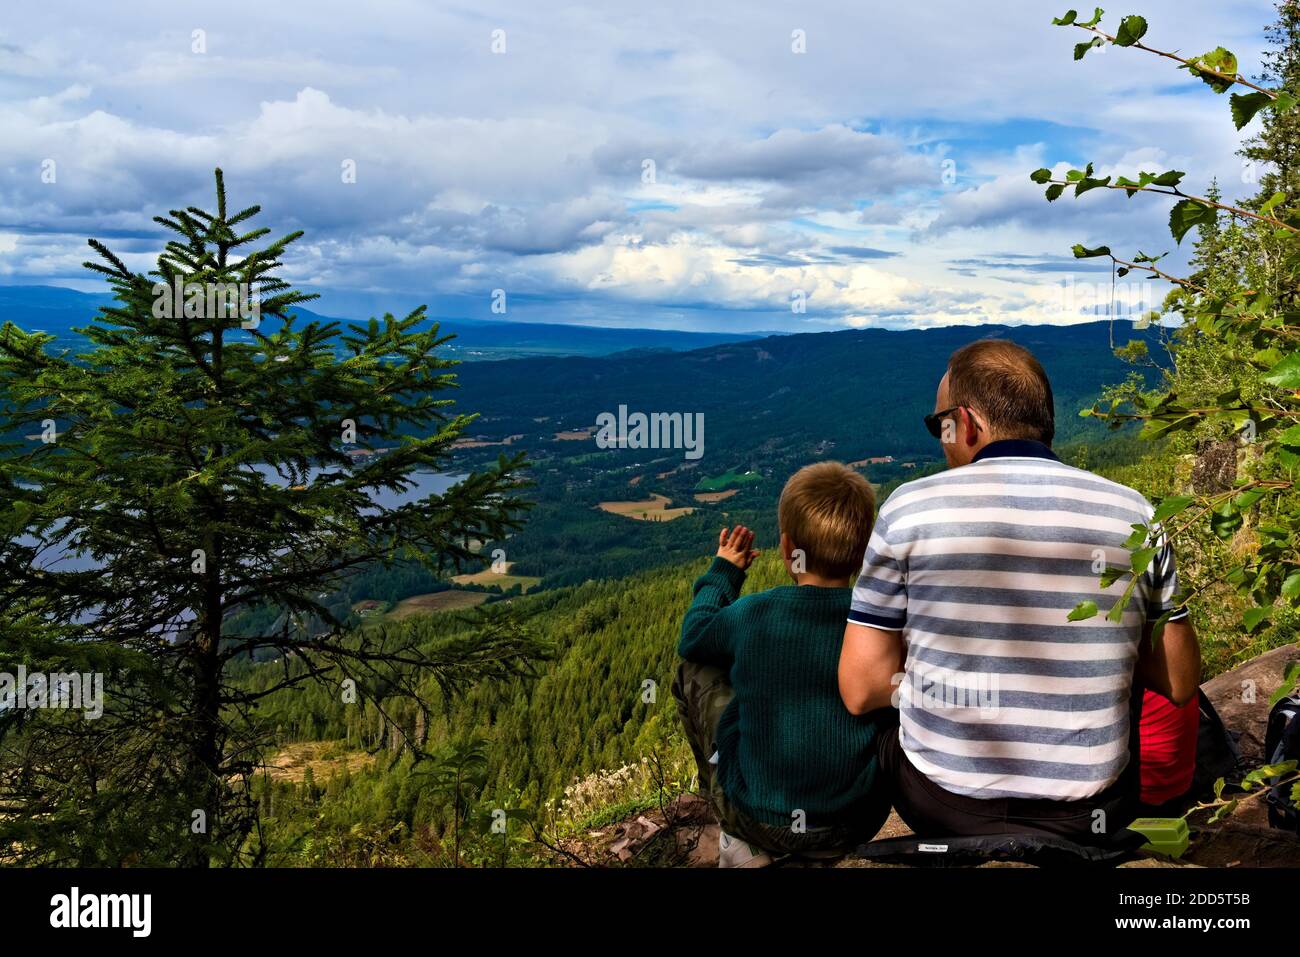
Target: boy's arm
706,637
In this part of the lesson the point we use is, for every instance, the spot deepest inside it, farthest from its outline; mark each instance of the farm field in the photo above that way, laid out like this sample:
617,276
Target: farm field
487,578
716,496
719,483
449,600
652,509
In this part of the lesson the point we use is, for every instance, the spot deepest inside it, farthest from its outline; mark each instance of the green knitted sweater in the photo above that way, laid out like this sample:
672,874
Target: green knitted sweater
785,742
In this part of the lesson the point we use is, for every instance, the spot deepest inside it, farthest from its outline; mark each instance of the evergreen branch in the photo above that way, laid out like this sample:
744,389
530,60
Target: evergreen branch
106,253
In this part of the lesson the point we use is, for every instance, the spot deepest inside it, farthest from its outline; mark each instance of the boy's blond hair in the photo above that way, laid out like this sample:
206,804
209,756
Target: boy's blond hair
827,510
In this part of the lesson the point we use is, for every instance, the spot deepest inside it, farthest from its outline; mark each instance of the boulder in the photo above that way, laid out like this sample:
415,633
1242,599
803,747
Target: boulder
1241,698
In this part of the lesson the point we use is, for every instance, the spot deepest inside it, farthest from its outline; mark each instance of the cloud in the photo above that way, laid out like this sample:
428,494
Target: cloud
1025,263
883,173
862,252
797,156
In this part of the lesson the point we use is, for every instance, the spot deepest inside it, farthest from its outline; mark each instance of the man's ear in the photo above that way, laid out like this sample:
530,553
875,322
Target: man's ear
972,427
786,548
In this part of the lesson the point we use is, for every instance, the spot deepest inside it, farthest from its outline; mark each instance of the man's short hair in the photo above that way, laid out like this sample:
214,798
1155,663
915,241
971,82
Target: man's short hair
1007,386
827,510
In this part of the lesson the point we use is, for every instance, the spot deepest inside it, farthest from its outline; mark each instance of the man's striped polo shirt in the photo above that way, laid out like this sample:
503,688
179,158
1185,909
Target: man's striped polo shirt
979,567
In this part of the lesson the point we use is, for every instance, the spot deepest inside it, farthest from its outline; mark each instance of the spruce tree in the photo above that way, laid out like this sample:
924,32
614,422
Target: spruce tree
195,459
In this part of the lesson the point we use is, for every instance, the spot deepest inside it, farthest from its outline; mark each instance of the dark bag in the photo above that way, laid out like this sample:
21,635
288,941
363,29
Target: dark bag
1282,743
1217,755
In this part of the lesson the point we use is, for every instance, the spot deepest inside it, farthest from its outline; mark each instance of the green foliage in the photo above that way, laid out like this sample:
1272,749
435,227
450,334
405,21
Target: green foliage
1130,31
1188,214
457,775
1083,611
1236,365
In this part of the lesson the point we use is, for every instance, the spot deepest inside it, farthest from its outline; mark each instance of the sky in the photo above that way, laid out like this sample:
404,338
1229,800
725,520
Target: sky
722,166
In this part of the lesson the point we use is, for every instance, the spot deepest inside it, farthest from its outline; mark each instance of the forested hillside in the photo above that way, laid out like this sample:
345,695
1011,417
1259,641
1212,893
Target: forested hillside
851,393
602,703
767,408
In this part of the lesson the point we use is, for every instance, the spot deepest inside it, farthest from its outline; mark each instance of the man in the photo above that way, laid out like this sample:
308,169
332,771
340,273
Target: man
1012,717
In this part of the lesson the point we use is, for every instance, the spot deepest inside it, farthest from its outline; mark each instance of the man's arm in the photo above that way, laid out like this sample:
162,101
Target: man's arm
1171,666
869,660
873,650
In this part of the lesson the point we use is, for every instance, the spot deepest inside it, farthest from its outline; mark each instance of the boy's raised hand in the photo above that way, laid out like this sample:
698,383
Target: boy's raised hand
736,546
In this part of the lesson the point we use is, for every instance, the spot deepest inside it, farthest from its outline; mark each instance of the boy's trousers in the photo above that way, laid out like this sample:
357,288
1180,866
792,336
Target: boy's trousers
702,693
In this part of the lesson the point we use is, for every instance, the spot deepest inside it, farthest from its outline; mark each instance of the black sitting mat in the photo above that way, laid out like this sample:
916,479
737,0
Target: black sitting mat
1039,849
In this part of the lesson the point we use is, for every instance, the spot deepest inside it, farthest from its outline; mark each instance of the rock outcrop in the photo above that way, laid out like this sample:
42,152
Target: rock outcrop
1241,697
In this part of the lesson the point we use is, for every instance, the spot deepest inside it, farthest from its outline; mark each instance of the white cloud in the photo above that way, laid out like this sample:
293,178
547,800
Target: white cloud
524,170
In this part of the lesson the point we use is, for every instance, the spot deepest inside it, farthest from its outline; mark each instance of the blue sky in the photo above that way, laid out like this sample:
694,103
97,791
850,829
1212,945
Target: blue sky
881,175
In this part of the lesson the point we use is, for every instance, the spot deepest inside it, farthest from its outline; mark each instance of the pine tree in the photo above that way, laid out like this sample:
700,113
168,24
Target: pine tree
199,466
1217,257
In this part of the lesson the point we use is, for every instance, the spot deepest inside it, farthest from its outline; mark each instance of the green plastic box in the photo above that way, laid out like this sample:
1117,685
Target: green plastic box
1165,835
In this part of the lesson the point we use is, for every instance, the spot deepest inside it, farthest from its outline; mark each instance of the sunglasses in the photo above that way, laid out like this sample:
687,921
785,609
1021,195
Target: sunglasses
934,421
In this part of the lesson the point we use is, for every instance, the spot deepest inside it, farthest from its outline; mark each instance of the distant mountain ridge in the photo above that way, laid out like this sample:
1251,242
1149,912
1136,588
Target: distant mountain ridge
849,393
58,311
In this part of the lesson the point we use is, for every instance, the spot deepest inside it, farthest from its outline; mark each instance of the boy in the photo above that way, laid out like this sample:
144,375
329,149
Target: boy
786,767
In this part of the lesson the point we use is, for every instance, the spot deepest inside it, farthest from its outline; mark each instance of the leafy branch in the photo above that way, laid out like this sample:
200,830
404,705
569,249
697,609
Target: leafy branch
1218,68
1190,211
1256,783
1256,325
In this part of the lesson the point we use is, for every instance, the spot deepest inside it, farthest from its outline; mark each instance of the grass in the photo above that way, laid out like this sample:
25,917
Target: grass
719,483
620,811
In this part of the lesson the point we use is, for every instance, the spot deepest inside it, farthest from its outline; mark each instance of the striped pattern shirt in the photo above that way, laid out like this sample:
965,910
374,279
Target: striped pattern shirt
978,567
